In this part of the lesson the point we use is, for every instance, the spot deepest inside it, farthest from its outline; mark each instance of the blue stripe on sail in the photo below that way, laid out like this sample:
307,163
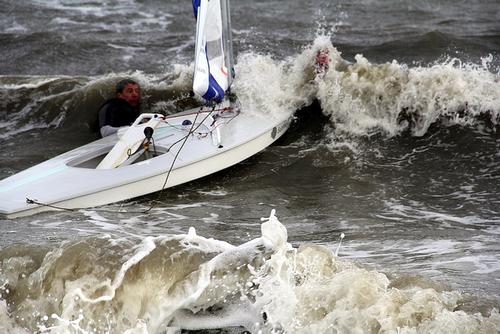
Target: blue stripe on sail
196,5
214,91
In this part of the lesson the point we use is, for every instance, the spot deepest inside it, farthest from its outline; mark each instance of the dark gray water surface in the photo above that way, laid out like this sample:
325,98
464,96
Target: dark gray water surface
419,204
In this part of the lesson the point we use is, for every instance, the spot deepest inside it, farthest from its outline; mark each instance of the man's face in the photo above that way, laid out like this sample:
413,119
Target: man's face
132,94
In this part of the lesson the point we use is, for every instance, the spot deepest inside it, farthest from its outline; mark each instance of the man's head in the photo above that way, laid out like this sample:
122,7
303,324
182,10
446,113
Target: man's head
130,91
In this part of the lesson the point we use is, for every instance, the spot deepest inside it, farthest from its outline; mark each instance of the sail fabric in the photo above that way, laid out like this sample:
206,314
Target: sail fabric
213,72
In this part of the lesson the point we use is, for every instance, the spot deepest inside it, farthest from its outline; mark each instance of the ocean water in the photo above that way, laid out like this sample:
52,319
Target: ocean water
381,203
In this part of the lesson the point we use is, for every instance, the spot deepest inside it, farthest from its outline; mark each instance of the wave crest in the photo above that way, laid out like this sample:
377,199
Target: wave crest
362,98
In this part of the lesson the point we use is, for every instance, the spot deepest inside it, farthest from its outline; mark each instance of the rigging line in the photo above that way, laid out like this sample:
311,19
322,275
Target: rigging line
184,139
220,124
222,110
34,201
201,111
140,147
192,131
181,128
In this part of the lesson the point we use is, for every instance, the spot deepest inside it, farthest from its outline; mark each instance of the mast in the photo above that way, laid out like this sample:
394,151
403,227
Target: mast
227,38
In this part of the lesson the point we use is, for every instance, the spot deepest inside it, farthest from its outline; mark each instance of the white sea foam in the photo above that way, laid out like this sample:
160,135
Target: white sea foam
206,283
7,324
168,283
16,28
19,130
363,97
26,82
112,16
481,264
217,192
65,21
396,210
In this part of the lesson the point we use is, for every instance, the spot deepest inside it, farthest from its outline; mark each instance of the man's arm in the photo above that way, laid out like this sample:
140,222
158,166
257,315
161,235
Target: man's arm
105,120
107,130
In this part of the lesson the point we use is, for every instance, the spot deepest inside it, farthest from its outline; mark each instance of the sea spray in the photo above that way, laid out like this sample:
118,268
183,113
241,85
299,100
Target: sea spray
191,282
312,291
362,98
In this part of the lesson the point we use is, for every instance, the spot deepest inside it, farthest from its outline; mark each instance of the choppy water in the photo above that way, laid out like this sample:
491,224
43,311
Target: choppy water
397,146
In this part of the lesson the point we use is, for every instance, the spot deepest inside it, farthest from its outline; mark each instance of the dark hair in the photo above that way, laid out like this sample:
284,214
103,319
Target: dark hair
120,86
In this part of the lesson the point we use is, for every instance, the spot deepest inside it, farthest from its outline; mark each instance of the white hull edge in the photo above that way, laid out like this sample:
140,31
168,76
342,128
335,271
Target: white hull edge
155,183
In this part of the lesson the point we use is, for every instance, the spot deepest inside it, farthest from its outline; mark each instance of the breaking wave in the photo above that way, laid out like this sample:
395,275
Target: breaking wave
359,98
362,97
167,283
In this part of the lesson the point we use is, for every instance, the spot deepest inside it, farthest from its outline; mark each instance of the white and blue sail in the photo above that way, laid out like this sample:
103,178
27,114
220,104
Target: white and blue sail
214,65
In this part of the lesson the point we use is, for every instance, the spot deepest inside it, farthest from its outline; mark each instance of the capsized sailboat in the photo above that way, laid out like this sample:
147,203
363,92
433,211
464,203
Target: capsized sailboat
156,151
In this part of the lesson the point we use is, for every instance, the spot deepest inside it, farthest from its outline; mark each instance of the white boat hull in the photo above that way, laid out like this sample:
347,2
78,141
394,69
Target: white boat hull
67,182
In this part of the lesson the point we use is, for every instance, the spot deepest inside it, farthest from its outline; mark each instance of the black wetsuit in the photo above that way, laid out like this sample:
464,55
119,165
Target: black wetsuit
117,112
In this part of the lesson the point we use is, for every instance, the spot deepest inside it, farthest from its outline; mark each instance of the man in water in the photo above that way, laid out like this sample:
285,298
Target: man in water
122,110
322,61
